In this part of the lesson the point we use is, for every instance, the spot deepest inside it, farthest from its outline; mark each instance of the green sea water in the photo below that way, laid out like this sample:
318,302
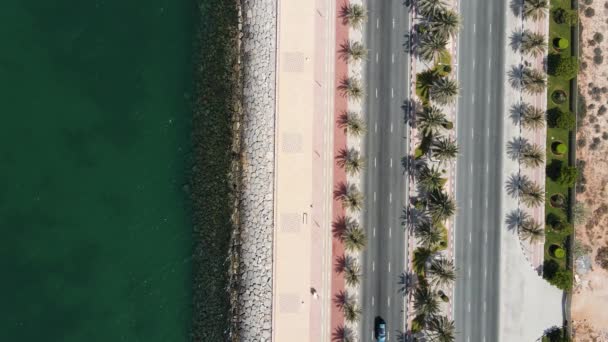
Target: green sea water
94,148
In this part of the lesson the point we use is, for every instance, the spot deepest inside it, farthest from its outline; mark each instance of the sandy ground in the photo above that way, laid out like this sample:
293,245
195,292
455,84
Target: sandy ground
590,298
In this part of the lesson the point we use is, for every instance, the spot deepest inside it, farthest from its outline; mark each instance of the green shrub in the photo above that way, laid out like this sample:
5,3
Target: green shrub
550,269
559,253
559,119
418,153
562,279
561,148
562,66
448,125
567,175
565,16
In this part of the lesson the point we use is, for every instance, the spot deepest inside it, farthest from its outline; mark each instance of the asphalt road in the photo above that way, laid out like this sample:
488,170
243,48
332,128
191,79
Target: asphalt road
387,78
478,175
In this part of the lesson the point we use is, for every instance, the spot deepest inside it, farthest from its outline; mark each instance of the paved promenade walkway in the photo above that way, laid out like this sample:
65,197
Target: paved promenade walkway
304,171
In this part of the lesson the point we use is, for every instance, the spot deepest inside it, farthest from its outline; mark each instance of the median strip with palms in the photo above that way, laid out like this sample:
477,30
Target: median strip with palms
432,206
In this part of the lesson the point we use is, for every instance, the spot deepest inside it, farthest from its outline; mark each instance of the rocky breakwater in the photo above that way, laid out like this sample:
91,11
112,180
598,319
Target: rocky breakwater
257,152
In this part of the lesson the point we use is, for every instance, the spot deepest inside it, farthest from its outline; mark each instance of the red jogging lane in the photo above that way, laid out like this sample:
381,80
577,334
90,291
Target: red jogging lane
340,106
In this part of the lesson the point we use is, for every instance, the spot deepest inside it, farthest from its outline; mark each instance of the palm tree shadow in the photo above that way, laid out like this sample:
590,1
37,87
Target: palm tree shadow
342,157
515,146
413,166
411,217
517,7
339,227
341,299
342,262
342,333
343,120
516,183
515,218
409,112
517,111
341,190
516,76
407,282
515,40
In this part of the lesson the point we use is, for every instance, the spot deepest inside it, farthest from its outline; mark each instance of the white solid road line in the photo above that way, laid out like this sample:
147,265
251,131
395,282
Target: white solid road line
390,197
374,196
471,167
486,202
372,300
392,92
376,126
473,63
484,306
469,307
470,237
389,267
393,58
471,203
388,301
374,231
390,232
473,98
488,131
373,266
374,161
469,275
490,27
377,23
391,162
391,127
472,132
376,92
474,28
393,22
489,62
376,57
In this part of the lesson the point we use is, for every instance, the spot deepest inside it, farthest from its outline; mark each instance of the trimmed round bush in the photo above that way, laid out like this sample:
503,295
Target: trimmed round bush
561,43
559,253
559,148
559,96
557,201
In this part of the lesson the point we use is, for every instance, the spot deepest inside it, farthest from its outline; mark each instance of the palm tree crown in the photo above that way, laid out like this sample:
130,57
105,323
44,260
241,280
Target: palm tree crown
428,234
426,302
350,196
440,329
533,43
441,206
353,124
350,160
354,239
442,272
532,194
533,118
532,156
430,120
352,273
353,51
535,9
351,87
444,149
444,90
445,23
430,179
533,81
531,231
428,8
431,46
354,15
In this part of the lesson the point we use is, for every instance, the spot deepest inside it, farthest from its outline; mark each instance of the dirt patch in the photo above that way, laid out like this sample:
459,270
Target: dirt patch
590,295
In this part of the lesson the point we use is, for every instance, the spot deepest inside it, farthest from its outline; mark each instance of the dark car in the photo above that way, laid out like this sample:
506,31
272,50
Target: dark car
381,334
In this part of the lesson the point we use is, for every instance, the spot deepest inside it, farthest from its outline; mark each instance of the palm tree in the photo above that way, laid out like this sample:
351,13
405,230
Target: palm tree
354,15
421,257
351,87
353,51
444,90
535,9
352,273
440,329
350,160
426,302
430,179
442,272
533,81
445,23
444,149
352,312
533,43
354,239
430,120
353,124
532,194
532,118
431,46
428,234
531,231
351,197
532,156
441,206
428,8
